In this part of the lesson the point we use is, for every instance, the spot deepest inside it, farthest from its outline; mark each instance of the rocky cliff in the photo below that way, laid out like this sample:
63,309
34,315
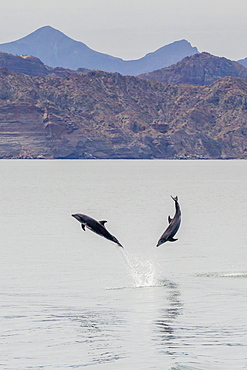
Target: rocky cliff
199,69
24,64
33,66
106,115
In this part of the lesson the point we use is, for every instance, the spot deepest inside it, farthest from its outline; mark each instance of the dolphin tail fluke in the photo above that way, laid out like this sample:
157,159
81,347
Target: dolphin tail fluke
116,241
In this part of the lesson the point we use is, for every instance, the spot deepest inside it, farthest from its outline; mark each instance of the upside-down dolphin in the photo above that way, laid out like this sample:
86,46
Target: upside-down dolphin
97,227
173,227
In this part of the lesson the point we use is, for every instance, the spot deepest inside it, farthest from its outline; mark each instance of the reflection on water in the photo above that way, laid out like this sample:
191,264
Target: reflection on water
165,331
100,331
55,310
107,334
95,333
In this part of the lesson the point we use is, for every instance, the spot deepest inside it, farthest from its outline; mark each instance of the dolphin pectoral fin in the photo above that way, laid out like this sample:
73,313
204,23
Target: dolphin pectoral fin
172,240
102,222
83,227
169,219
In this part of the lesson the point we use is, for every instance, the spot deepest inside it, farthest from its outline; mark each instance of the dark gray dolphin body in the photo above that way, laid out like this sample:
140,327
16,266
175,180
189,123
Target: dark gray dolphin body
173,227
97,227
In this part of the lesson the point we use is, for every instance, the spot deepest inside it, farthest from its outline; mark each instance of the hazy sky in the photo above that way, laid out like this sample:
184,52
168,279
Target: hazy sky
129,29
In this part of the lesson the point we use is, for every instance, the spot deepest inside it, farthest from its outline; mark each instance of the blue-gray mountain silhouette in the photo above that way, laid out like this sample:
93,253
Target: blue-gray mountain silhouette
55,49
243,62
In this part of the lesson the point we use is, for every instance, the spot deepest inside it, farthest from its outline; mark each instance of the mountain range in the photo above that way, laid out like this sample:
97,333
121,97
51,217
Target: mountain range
55,49
193,109
199,69
32,66
107,115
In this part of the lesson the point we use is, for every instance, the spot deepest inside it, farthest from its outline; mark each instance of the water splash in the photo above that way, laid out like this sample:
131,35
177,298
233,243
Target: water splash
143,272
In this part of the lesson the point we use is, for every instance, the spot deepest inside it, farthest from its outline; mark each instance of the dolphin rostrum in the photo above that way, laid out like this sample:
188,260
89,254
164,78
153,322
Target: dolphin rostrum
173,226
97,227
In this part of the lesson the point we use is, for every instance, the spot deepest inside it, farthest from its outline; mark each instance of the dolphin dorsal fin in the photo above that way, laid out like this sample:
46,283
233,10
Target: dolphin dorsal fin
169,219
102,222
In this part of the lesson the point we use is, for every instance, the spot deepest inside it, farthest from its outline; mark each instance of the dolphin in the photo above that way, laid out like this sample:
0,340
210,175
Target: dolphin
173,226
97,227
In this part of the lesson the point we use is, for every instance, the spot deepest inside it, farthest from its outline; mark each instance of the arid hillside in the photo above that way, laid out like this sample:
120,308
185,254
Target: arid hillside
199,69
107,115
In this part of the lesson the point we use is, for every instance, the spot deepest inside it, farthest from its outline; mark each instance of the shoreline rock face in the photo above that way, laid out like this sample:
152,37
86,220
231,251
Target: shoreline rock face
110,116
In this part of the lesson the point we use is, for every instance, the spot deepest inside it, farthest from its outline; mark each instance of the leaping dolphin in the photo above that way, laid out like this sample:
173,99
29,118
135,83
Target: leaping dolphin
97,227
173,227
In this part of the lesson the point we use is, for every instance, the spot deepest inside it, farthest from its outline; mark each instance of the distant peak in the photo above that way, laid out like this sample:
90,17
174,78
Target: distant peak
184,41
47,29
178,44
47,33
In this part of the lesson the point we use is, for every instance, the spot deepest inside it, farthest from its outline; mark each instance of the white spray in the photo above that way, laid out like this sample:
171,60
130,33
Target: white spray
143,272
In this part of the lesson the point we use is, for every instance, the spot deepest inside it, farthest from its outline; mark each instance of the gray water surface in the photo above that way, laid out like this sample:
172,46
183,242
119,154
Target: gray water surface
71,299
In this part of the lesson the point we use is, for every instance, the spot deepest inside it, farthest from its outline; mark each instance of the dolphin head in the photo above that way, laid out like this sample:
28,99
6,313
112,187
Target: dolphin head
161,241
79,217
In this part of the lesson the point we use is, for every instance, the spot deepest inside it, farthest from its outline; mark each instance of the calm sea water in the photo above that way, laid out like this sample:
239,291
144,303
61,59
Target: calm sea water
70,299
